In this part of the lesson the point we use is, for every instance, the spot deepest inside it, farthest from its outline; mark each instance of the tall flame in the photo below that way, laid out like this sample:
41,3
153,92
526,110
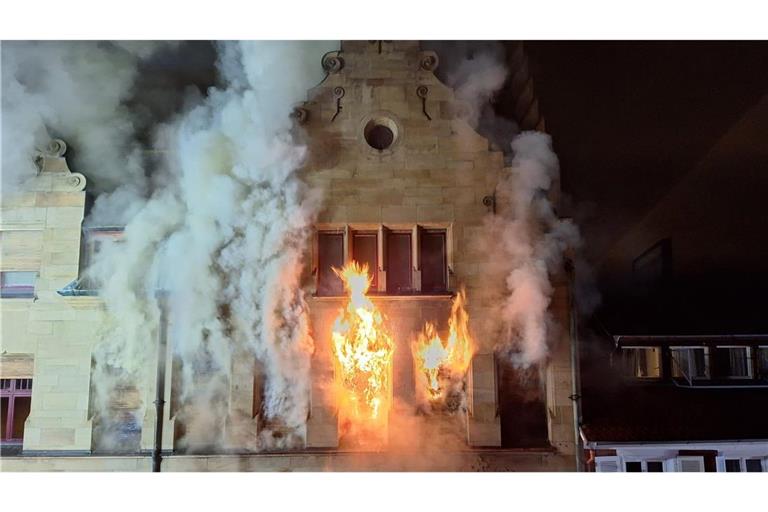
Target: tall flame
363,350
442,361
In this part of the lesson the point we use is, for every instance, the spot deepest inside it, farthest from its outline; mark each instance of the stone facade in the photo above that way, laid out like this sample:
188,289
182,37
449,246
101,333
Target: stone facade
435,174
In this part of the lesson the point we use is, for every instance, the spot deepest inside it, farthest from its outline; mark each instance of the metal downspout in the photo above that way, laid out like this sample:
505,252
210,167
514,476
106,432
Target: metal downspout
576,381
162,343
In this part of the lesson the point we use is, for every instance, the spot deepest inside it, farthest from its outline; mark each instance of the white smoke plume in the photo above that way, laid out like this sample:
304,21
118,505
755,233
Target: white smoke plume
225,238
531,240
74,90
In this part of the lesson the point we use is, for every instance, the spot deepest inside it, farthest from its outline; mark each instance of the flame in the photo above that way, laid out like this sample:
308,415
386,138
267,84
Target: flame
363,350
439,360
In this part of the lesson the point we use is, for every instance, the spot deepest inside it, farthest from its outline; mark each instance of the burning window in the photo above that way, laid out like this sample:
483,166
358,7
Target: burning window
433,260
734,362
641,362
399,263
16,398
330,255
15,284
690,362
365,251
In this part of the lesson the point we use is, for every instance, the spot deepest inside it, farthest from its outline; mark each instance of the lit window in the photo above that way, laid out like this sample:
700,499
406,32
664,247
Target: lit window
433,261
642,362
734,362
16,398
399,263
690,362
330,249
365,251
17,284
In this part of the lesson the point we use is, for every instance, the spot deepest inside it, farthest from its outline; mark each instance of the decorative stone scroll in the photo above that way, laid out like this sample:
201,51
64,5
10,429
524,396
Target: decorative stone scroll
332,63
428,61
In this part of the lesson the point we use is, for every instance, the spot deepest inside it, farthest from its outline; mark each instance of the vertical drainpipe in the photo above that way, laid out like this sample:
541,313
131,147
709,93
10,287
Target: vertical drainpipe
162,342
575,371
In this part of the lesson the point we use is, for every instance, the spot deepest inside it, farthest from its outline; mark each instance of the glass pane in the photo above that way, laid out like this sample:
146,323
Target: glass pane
634,467
732,465
655,466
21,407
754,465
365,252
19,278
738,362
433,261
399,263
3,416
680,363
330,255
700,363
762,361
641,366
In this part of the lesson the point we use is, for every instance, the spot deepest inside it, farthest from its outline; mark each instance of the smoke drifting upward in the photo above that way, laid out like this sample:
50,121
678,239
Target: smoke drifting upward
224,237
532,240
73,90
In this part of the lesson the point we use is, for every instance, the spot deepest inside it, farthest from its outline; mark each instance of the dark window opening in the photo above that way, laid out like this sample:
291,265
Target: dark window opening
365,251
399,263
634,467
754,465
330,255
732,466
379,136
433,261
16,396
655,466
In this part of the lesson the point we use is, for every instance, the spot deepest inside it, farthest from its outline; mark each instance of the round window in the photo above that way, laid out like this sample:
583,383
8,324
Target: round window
380,133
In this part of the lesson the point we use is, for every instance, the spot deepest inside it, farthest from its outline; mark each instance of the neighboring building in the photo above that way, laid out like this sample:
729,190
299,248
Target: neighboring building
408,183
677,403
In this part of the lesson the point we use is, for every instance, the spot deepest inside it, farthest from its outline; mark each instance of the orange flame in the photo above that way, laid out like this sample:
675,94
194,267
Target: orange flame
439,360
363,350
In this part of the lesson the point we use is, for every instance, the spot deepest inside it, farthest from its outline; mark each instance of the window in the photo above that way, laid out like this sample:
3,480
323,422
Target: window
607,464
330,248
641,362
399,275
433,259
16,398
94,240
734,362
741,465
690,464
690,362
17,284
762,362
644,466
365,251
402,261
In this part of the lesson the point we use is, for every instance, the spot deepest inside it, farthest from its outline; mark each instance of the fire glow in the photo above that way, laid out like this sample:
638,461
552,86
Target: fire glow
363,349
443,363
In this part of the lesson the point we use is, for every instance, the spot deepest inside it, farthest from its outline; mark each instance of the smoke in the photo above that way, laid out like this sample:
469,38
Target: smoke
224,237
531,240
75,90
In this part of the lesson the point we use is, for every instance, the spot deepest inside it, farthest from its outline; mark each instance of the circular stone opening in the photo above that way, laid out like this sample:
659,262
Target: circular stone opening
380,133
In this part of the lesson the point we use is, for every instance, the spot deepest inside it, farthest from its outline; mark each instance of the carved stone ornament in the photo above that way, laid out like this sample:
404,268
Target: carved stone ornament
332,63
53,172
429,61
300,114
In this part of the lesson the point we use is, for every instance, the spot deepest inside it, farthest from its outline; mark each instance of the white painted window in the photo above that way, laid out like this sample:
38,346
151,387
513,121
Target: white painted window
690,464
607,464
641,362
17,284
644,466
742,464
690,362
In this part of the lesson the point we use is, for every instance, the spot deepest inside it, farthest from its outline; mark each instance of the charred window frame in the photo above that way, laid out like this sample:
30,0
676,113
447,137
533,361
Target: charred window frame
403,259
16,401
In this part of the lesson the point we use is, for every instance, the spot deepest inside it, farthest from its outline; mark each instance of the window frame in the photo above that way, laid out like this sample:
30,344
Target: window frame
760,373
689,349
643,465
721,463
750,372
659,368
12,392
18,291
348,231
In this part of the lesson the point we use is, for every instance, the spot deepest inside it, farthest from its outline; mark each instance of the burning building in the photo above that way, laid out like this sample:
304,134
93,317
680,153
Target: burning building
419,317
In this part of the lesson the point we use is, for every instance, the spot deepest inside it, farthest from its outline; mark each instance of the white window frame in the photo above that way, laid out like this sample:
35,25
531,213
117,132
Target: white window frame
742,462
707,361
658,369
689,458
750,373
644,464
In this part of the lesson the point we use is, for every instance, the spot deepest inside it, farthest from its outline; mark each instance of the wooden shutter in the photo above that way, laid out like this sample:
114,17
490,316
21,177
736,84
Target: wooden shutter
607,464
399,264
690,464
